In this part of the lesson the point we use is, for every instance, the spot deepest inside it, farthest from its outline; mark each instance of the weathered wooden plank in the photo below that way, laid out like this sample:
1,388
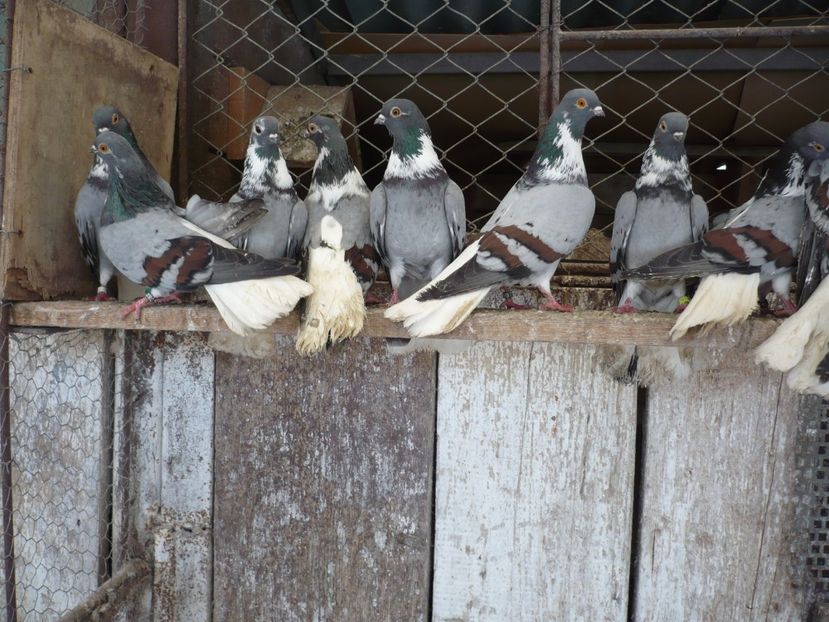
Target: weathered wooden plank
585,327
164,468
74,66
56,398
534,485
719,537
323,485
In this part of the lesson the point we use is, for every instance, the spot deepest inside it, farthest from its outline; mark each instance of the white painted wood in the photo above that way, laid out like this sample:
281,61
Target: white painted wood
719,539
535,463
56,392
166,471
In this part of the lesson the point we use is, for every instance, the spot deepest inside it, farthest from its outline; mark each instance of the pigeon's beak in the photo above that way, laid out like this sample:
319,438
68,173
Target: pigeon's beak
679,135
273,137
380,120
598,111
102,129
93,149
305,134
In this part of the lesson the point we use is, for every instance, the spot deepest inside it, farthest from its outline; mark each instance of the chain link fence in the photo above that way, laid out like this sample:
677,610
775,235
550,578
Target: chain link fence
483,74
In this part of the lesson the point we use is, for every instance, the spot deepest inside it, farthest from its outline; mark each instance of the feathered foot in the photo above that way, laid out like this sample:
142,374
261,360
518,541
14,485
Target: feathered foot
551,304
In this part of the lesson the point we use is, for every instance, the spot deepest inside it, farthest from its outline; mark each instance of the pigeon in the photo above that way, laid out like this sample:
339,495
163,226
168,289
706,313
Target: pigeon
659,214
756,247
217,218
800,345
167,254
542,219
281,232
418,215
341,261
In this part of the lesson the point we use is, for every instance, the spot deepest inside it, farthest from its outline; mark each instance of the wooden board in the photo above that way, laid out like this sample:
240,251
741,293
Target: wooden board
75,66
57,394
164,469
534,485
323,485
719,539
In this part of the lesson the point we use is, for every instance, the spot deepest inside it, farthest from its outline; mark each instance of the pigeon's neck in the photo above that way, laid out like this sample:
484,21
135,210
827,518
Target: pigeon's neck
335,177
558,157
132,194
413,156
98,174
264,174
664,172
785,176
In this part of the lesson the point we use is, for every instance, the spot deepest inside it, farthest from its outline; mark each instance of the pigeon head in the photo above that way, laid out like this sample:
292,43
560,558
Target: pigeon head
558,156
264,137
118,154
110,119
265,169
325,133
785,173
402,119
812,142
665,165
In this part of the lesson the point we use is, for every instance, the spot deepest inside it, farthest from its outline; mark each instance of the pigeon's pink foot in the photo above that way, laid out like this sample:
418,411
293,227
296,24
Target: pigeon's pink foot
551,304
625,308
136,306
785,308
395,297
102,297
169,298
681,308
509,303
371,298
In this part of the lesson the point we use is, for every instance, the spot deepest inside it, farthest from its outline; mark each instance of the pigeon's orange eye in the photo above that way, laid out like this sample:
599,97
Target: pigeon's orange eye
312,128
115,118
818,147
581,103
663,126
395,112
103,148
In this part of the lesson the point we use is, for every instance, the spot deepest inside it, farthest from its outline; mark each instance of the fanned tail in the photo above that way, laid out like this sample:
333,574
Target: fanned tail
721,299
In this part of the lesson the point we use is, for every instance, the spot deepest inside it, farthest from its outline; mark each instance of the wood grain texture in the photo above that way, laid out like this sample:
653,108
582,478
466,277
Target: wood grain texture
57,449
164,469
323,485
534,485
75,67
585,327
719,538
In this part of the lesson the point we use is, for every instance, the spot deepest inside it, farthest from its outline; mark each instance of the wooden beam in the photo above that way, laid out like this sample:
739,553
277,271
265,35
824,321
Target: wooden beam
589,327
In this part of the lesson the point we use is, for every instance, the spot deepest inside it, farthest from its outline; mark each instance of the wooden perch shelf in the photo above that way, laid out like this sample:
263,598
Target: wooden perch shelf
586,327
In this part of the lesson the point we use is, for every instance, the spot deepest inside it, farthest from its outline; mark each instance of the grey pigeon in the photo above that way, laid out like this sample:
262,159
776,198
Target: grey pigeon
418,217
341,261
800,345
661,213
337,189
755,248
219,219
167,254
542,219
281,232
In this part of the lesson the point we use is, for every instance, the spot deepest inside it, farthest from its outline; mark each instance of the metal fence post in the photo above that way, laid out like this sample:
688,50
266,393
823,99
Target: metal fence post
6,469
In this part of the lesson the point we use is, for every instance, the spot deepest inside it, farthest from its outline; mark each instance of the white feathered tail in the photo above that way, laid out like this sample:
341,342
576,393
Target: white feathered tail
787,347
723,299
336,310
435,317
247,306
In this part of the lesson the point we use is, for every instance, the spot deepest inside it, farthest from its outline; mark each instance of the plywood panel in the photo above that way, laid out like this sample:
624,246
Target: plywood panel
164,469
323,485
719,538
534,485
75,66
58,438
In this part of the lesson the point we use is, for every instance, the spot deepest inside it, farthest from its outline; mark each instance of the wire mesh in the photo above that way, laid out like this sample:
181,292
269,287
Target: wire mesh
124,17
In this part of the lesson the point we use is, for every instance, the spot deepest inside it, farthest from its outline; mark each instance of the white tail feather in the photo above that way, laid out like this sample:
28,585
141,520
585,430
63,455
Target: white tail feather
722,299
336,309
434,317
785,348
252,305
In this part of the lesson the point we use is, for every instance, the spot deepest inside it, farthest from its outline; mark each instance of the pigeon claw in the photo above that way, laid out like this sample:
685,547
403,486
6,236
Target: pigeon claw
784,308
509,303
136,306
102,297
370,298
395,297
551,304
627,307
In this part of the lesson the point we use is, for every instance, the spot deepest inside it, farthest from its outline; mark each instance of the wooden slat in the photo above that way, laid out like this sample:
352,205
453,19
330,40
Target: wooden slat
719,535
75,67
534,485
586,327
323,485
164,469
